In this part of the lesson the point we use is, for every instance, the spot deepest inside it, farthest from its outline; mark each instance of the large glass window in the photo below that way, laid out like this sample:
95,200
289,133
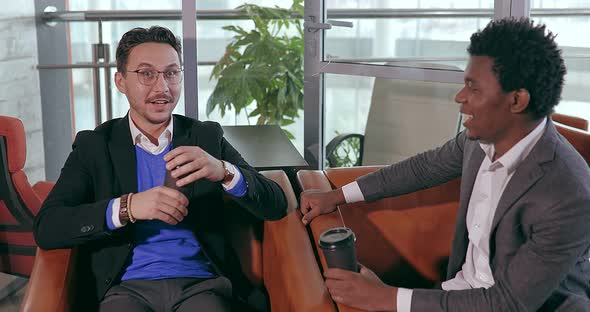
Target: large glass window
85,35
378,121
383,121
560,19
213,39
252,72
400,31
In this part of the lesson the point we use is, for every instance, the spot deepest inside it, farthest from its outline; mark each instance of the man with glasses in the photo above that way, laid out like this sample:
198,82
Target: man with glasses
141,195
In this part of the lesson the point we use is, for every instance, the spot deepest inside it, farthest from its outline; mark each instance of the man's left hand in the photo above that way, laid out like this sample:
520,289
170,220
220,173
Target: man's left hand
193,163
362,290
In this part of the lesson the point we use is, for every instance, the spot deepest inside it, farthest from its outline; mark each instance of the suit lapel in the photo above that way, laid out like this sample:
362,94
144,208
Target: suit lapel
122,153
527,173
182,136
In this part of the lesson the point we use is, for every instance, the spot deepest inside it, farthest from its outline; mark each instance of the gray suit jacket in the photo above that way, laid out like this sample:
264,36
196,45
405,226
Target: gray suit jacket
540,234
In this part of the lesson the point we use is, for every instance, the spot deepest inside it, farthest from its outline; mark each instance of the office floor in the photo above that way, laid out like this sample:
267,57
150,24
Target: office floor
12,292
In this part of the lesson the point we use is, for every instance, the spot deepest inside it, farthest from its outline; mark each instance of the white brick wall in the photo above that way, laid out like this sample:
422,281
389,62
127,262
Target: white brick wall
19,80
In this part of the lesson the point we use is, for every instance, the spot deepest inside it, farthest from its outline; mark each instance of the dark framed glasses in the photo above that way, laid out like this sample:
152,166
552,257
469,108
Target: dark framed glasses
148,77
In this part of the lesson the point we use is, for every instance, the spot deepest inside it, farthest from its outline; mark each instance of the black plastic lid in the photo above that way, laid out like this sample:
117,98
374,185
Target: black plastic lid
336,238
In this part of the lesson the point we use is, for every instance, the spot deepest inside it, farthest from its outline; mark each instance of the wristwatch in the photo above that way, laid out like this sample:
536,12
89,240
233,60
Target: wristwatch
228,170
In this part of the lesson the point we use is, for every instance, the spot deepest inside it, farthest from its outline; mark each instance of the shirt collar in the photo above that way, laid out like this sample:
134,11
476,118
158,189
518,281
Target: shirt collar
140,139
515,155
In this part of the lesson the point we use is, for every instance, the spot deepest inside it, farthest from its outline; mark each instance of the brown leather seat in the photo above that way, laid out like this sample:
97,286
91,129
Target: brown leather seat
52,286
406,240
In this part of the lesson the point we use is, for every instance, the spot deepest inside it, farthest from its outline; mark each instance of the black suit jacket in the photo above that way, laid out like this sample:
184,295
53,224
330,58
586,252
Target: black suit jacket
102,166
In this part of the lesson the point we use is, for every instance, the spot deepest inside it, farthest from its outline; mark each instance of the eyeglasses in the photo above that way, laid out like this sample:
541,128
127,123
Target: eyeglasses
149,77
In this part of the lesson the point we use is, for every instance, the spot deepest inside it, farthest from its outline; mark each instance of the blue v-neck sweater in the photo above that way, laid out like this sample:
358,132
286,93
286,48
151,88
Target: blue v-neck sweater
162,250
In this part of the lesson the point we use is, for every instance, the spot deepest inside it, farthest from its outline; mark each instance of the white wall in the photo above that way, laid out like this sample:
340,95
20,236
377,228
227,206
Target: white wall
19,79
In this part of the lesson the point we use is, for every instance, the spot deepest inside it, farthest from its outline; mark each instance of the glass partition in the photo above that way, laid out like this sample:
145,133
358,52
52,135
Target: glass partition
566,19
377,121
252,72
414,32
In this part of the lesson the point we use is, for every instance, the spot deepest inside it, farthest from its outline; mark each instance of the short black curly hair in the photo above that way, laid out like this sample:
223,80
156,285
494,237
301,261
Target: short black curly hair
137,36
525,57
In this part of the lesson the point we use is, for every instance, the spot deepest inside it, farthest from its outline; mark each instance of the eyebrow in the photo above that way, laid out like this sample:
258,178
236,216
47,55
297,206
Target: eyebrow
150,65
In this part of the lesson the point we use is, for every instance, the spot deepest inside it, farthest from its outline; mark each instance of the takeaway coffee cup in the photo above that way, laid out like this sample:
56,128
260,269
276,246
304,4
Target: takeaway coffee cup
338,246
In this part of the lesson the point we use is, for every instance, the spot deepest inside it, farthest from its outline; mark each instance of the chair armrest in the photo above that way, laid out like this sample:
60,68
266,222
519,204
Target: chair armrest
291,273
51,283
315,179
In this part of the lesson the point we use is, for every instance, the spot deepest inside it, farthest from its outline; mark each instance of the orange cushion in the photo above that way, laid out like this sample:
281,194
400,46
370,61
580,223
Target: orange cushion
404,239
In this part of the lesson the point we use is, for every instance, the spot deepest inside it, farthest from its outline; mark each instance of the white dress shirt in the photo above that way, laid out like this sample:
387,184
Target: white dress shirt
491,180
164,140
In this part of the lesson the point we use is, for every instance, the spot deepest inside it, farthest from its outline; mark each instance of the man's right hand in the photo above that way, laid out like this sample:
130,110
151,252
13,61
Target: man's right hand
315,203
159,203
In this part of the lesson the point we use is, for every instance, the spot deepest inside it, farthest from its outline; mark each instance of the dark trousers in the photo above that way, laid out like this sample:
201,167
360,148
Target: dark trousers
172,294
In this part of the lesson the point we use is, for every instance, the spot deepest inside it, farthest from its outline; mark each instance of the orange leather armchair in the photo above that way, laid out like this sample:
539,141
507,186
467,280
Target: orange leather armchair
266,250
19,201
405,240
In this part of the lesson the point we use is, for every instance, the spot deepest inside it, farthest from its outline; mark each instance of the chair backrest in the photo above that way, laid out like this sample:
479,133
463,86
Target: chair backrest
18,202
572,121
579,139
409,117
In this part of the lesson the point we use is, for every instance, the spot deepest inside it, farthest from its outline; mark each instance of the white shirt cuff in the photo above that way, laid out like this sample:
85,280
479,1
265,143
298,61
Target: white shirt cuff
352,193
235,180
404,299
115,215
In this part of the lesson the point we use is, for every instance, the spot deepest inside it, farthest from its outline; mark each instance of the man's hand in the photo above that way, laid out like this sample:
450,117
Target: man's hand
362,290
192,163
315,203
159,203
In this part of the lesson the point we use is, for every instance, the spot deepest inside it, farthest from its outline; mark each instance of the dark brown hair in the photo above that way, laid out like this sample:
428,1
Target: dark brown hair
137,36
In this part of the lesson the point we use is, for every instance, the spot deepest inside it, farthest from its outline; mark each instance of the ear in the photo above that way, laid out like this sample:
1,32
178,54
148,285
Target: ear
120,82
521,98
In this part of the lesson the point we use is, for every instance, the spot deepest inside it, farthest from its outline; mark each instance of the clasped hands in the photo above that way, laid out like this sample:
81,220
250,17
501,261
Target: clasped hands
167,204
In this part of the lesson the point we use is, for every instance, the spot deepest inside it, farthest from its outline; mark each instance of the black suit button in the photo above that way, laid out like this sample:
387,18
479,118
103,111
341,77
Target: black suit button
107,281
86,228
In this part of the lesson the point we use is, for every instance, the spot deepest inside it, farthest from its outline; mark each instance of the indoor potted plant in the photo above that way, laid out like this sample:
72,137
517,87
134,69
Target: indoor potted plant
263,66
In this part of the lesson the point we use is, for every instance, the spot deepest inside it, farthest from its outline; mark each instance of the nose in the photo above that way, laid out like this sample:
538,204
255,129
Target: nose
160,85
461,96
